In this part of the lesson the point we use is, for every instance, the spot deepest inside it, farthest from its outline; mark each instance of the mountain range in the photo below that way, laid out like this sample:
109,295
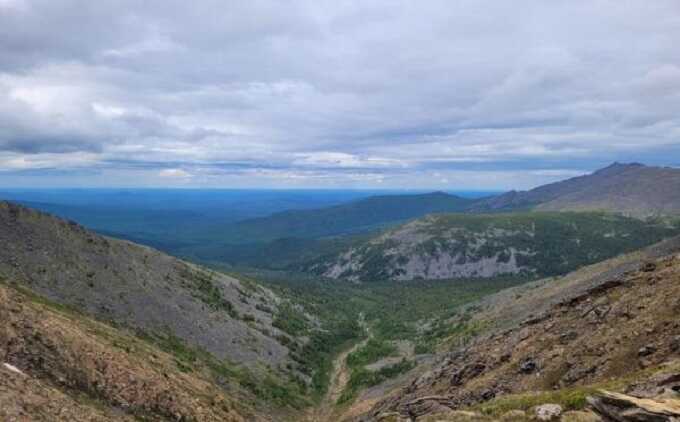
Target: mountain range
631,190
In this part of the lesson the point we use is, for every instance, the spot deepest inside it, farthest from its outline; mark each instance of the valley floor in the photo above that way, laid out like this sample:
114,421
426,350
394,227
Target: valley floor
327,410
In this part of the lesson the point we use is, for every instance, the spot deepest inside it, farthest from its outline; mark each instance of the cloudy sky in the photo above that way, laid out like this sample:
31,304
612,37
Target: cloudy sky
360,94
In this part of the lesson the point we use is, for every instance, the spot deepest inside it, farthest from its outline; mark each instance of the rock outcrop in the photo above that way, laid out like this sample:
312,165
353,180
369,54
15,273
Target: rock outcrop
623,408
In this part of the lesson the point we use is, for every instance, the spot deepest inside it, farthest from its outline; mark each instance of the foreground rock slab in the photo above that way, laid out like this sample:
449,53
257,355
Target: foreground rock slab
623,408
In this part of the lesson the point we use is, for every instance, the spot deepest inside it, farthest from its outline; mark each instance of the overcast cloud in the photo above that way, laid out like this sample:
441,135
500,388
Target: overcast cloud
407,94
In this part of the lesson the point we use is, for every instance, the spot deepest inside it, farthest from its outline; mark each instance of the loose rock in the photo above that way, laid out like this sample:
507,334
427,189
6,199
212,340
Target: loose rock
548,412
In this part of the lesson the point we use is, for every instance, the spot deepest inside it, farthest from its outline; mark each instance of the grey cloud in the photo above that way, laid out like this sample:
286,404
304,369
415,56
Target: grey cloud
335,87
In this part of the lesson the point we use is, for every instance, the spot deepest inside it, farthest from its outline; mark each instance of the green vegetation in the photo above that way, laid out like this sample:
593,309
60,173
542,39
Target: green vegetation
205,290
445,331
362,378
316,357
568,398
290,320
373,351
392,310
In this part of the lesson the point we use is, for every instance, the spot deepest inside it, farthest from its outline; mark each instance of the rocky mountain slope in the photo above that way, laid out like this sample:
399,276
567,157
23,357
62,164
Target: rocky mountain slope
146,292
631,189
59,365
236,332
556,344
459,246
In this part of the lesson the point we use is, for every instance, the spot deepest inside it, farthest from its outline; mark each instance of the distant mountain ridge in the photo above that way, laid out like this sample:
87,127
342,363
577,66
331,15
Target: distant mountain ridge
630,189
356,216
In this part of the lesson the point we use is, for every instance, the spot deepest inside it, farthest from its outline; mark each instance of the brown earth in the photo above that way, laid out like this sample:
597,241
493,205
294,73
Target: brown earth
56,365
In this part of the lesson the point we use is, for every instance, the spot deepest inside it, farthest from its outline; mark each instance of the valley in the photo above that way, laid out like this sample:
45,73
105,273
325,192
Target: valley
339,211
387,308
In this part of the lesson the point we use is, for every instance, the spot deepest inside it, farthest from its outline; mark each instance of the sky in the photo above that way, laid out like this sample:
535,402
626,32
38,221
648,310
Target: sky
486,95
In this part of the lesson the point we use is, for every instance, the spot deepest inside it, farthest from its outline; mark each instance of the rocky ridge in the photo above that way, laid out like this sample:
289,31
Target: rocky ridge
632,189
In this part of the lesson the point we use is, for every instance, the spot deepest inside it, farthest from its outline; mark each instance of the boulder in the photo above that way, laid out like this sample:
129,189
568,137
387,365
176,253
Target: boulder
648,267
675,344
647,350
547,412
528,365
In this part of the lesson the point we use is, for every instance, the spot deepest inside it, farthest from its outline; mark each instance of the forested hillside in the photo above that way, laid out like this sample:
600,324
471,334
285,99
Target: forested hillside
530,244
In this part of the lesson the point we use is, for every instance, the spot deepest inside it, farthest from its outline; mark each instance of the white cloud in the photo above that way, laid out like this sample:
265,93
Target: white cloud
174,173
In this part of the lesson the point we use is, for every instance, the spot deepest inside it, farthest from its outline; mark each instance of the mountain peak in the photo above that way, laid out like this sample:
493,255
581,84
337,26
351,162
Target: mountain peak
617,167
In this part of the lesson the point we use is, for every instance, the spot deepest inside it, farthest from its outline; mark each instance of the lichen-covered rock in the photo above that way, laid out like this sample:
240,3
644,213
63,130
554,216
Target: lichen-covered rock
547,412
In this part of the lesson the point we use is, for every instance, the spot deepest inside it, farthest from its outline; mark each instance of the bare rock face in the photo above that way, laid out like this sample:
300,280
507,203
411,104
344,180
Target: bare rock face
624,408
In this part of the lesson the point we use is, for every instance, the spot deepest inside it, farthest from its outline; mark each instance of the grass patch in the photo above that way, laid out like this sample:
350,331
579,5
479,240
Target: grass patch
373,351
568,398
